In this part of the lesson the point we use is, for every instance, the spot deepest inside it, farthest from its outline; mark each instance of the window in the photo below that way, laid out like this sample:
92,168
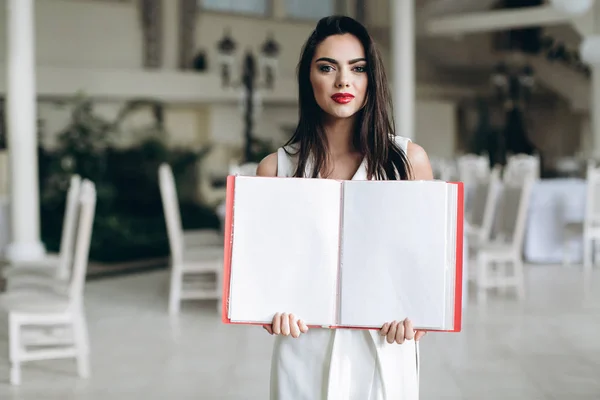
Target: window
309,9
254,7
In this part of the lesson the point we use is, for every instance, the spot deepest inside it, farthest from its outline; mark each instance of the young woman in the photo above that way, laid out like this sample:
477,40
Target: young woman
345,132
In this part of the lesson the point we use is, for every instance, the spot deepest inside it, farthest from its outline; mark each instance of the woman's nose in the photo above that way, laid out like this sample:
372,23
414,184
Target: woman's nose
342,80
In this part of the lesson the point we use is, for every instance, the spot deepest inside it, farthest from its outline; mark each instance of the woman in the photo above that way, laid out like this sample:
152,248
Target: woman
345,132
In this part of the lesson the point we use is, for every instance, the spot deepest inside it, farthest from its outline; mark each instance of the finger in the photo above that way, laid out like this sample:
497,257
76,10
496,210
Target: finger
277,324
269,329
409,332
391,335
302,325
384,329
285,324
419,335
294,329
400,333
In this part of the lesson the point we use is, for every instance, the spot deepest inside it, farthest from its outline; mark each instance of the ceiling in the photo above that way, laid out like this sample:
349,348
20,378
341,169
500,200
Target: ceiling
443,7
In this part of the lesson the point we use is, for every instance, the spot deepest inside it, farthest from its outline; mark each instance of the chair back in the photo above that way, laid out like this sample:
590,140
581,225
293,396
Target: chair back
485,202
520,166
247,169
170,201
473,168
67,240
87,210
511,220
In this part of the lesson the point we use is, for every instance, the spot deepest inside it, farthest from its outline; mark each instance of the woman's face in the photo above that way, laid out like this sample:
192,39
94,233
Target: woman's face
338,75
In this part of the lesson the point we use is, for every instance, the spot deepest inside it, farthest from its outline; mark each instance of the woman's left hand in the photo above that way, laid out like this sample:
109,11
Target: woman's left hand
398,331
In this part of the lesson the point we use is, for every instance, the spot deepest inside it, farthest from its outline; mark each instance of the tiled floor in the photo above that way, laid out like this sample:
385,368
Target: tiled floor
547,347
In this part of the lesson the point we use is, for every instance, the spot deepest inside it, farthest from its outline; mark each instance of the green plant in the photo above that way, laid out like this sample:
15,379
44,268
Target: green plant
129,222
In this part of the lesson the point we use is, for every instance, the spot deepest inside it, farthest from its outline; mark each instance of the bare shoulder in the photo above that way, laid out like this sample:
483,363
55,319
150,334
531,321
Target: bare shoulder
419,161
268,166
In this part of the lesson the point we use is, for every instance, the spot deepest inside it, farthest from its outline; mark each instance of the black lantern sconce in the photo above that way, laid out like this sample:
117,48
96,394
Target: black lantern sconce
513,85
250,71
267,62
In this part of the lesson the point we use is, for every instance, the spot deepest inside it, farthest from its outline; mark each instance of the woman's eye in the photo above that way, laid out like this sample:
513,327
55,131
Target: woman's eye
361,68
326,68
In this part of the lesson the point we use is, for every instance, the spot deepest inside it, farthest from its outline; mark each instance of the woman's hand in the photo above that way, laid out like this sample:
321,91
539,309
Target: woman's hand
397,331
286,324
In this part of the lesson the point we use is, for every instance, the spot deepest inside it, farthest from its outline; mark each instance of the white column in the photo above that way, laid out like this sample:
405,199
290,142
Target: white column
22,132
403,65
170,34
590,54
595,110
278,9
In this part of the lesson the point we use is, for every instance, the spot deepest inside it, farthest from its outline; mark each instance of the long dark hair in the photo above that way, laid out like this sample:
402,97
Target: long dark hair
374,133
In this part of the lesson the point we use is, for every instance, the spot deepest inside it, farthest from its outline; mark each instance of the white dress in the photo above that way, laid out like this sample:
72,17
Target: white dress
342,364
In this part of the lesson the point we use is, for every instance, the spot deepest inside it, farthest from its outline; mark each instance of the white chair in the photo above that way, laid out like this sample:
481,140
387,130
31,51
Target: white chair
485,200
443,169
506,249
204,263
520,165
591,224
51,266
472,168
247,169
33,311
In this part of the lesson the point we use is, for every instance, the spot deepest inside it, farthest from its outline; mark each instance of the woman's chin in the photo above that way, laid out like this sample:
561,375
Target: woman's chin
341,113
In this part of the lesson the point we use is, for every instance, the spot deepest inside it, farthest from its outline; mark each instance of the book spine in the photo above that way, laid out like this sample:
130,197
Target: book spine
338,289
228,248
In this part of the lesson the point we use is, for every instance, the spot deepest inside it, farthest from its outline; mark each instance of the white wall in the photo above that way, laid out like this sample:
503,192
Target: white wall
435,123
81,33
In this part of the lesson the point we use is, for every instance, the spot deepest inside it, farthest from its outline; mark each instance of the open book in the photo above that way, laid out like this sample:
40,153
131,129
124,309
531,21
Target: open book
352,254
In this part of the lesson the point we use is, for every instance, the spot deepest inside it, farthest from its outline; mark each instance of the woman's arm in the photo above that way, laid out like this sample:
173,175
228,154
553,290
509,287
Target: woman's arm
419,161
268,166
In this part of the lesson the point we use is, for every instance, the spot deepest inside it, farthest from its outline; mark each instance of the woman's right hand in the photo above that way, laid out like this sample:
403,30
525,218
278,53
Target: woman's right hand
286,324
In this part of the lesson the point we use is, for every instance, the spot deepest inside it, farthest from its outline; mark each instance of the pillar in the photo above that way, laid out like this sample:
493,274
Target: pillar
21,123
595,110
590,54
403,65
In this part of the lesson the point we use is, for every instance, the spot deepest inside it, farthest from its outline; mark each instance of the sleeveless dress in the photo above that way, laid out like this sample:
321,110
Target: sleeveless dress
342,364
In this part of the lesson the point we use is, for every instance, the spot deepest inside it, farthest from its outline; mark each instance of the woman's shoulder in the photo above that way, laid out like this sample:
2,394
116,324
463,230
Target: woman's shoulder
279,163
419,161
267,166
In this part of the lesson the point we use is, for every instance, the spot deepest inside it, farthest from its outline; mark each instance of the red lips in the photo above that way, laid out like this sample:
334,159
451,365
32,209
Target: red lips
342,98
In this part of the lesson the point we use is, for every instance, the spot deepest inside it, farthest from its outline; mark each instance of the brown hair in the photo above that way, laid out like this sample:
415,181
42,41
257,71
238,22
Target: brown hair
375,130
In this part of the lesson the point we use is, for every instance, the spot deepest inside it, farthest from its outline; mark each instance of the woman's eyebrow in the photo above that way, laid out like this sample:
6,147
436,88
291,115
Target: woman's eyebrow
331,60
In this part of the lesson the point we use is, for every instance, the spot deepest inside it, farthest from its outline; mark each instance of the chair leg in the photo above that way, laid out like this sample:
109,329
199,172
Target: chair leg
481,280
519,276
566,255
82,345
588,245
502,276
175,291
15,350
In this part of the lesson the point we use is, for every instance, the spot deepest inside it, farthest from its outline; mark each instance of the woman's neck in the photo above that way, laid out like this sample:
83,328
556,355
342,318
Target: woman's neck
339,133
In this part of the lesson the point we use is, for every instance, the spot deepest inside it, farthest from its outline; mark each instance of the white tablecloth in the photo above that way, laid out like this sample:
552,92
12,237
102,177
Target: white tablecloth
554,202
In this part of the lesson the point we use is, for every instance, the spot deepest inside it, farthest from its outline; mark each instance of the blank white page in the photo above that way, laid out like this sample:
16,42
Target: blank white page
285,249
394,253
